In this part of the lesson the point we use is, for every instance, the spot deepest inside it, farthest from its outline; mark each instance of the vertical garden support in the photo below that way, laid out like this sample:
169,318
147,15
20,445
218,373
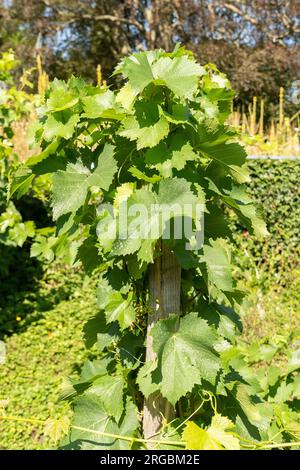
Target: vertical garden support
164,292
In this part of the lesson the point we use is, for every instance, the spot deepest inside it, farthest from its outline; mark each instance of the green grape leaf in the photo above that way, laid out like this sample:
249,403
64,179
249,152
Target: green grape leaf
210,108
93,369
176,191
250,414
57,428
180,114
231,156
55,128
88,254
174,199
119,309
61,99
180,74
105,170
144,379
180,157
130,349
164,159
216,437
96,330
137,68
21,231
21,182
69,190
136,231
109,390
126,96
49,150
248,405
100,105
70,187
250,215
185,353
43,247
146,136
218,264
122,194
90,414
215,224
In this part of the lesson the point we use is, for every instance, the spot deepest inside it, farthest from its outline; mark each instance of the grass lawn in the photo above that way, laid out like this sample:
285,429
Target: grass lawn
46,346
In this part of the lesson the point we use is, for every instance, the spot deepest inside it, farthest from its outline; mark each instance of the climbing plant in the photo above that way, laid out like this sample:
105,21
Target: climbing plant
167,323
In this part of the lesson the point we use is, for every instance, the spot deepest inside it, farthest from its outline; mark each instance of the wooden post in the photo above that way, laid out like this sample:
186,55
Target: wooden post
164,292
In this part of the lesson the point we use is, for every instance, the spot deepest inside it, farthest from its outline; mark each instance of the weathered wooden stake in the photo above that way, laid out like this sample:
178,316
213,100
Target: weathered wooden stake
164,292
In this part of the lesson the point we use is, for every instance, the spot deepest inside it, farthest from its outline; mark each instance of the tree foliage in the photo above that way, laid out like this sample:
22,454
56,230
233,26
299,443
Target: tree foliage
254,42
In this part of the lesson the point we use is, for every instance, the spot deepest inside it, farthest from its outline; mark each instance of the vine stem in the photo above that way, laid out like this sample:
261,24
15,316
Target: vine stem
131,439
283,444
100,433
187,419
141,440
23,420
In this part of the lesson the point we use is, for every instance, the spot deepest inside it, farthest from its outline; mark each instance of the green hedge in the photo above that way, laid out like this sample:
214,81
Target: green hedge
276,185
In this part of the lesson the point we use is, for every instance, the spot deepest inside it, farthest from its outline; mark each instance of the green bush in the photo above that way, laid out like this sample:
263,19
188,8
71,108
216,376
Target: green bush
275,185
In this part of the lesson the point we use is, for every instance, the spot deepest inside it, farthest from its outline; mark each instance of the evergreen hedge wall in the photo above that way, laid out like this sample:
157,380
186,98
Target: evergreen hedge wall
276,185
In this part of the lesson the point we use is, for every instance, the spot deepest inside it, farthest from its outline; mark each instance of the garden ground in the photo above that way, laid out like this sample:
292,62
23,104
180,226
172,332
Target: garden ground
47,346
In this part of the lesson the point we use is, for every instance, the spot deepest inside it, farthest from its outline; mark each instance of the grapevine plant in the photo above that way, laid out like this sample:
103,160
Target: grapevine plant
159,139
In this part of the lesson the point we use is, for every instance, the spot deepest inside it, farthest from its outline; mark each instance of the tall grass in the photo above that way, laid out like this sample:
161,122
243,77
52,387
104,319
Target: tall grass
280,137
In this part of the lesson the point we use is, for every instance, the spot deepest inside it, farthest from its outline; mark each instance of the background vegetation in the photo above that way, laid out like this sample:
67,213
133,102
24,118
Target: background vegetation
254,42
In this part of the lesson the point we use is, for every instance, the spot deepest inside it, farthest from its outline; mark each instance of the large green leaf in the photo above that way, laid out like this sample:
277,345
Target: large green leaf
116,299
100,105
93,369
146,136
70,187
165,157
88,254
49,150
61,98
185,352
176,191
237,198
120,309
173,199
96,330
91,415
109,390
180,74
55,127
217,436
137,68
105,170
218,264
144,378
231,156
21,183
250,215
